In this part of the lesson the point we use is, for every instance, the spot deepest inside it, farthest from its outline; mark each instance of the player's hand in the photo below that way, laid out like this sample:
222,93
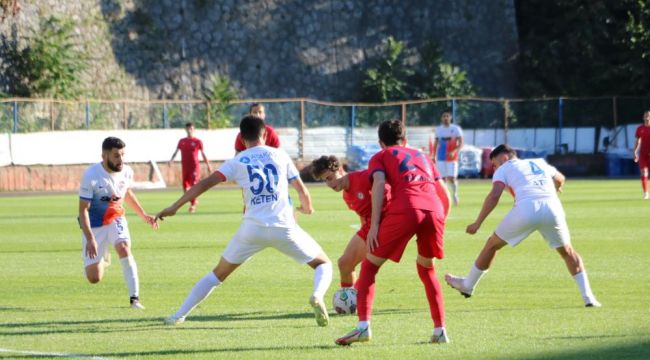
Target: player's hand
91,248
305,210
151,220
472,228
371,238
164,213
636,158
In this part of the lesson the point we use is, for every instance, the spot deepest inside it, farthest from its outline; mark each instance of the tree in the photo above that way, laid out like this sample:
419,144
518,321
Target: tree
220,96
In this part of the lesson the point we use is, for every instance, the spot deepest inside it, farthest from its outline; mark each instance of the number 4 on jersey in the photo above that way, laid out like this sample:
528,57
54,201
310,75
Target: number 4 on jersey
536,170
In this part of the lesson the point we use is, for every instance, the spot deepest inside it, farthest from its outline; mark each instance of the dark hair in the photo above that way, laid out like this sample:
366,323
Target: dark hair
446,111
111,143
251,127
324,163
253,106
503,148
189,124
391,132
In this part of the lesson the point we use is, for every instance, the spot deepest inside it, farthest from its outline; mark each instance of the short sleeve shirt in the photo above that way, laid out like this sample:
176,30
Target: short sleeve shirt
106,192
272,139
447,138
528,179
358,196
189,148
411,176
264,173
643,133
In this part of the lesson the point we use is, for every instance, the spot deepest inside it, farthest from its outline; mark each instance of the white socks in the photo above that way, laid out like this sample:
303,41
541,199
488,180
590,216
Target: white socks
473,277
363,324
583,284
322,279
200,291
453,187
130,271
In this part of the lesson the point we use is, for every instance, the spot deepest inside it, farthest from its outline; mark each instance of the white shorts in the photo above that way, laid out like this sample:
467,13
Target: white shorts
251,239
106,235
545,216
447,168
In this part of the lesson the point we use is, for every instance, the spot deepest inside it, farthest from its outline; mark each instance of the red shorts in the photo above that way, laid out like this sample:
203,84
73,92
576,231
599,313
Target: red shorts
644,161
190,178
363,232
397,229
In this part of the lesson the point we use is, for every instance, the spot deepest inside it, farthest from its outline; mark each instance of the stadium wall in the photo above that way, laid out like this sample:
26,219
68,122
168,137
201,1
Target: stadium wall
149,49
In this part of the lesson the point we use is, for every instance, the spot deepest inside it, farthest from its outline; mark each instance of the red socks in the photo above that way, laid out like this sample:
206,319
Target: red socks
366,289
346,285
644,183
434,294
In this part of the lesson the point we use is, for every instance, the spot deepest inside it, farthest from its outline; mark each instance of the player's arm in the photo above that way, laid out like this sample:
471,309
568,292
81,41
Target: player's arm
637,144
443,194
173,155
194,192
207,163
304,196
84,222
133,202
558,180
490,202
377,201
434,158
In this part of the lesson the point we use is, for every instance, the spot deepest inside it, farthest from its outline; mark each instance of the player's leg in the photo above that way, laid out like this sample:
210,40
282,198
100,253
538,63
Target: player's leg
130,272
577,270
452,180
190,179
483,262
643,166
95,267
353,255
202,289
430,246
300,246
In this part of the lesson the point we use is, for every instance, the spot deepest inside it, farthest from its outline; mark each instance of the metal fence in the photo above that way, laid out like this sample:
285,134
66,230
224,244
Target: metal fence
18,115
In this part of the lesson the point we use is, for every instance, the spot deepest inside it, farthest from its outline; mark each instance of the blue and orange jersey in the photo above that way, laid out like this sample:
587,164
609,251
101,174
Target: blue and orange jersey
106,192
448,139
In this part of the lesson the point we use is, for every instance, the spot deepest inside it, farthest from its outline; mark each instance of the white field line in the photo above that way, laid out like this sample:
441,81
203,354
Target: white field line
54,354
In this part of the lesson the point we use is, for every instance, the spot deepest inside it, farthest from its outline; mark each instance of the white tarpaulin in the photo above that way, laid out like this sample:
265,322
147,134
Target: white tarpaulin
85,146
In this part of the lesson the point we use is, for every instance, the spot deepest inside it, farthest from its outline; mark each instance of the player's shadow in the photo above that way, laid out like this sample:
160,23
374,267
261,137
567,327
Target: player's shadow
215,352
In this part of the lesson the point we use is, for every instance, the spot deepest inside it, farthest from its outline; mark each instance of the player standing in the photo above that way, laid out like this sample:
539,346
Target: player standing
105,187
642,151
415,209
190,147
264,173
534,184
272,138
446,147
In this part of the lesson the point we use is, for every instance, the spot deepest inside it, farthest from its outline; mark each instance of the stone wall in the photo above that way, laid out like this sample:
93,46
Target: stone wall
154,49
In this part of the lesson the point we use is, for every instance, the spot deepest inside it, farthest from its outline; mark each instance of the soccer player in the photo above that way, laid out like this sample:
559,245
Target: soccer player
447,144
265,174
190,165
272,139
416,208
642,151
356,194
105,187
534,184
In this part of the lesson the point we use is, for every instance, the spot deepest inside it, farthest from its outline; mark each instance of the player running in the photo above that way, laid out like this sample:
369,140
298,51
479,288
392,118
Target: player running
416,208
534,184
105,187
642,151
264,173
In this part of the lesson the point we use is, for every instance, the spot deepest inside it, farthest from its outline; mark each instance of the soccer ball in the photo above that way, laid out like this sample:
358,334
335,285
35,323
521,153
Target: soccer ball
345,301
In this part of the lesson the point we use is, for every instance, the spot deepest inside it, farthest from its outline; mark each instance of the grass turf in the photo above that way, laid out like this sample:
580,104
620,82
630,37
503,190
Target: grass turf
527,307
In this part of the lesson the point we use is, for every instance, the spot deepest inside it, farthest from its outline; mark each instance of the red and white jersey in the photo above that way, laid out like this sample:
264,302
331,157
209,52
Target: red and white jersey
643,133
106,192
529,179
189,148
358,195
411,176
264,174
448,138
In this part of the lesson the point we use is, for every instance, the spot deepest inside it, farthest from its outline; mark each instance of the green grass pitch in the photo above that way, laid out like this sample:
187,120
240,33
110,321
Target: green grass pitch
527,307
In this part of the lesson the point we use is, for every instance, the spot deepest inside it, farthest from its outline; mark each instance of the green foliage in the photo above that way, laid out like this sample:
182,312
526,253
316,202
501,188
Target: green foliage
395,79
220,96
583,47
49,66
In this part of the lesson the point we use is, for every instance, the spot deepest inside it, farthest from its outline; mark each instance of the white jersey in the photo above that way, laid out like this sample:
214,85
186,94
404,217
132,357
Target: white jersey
106,192
529,179
452,131
264,173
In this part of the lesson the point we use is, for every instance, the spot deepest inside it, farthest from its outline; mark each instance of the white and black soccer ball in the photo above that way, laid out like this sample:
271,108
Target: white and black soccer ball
345,301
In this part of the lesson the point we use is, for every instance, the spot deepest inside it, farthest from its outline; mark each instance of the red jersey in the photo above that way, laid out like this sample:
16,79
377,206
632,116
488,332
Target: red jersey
357,196
643,133
189,148
411,176
272,139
